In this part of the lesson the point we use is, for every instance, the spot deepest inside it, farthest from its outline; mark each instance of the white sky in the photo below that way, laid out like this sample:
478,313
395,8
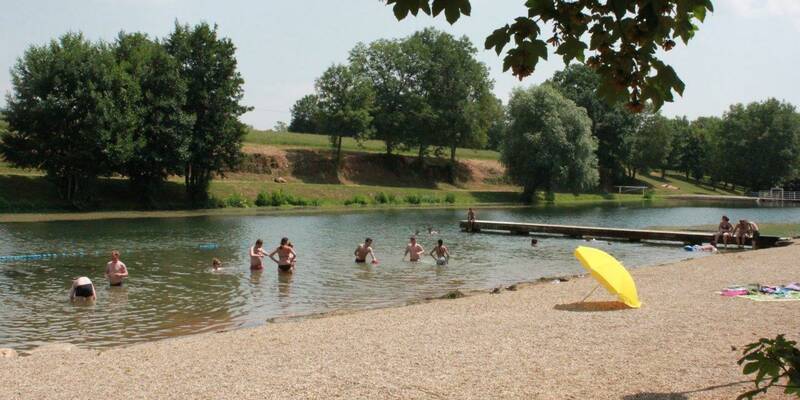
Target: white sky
746,51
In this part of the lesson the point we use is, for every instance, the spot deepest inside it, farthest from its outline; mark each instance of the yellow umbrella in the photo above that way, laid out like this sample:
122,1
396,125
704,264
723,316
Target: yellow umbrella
610,273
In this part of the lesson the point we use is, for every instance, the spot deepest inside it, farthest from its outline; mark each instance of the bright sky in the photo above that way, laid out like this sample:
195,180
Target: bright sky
746,51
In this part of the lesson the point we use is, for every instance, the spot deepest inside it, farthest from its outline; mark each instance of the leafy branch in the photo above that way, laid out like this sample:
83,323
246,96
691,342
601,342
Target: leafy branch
623,39
772,360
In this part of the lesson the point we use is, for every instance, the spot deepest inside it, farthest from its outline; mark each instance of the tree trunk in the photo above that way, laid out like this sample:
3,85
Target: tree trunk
421,156
338,151
663,173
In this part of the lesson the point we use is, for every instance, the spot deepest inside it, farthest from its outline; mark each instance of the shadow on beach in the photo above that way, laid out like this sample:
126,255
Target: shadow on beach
592,306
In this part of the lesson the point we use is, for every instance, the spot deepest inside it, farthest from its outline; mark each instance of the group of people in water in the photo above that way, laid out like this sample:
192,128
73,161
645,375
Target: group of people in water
741,232
116,273
284,256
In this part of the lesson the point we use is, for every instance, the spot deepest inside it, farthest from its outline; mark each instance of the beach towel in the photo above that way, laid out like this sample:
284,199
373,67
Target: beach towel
758,292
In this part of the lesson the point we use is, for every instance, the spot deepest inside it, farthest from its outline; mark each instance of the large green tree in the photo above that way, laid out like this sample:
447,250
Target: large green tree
68,108
213,100
457,89
763,143
549,144
157,146
623,39
303,113
716,160
345,105
394,72
612,124
650,145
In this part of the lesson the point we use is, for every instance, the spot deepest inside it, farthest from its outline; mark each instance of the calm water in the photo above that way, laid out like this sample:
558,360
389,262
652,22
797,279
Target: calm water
171,290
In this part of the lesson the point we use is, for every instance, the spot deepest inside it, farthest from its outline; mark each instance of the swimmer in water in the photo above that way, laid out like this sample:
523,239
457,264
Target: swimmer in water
534,242
256,254
364,250
82,288
442,255
432,232
285,256
116,271
216,264
414,250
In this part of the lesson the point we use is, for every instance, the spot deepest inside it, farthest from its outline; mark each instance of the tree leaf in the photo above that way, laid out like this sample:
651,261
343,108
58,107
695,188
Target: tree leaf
572,48
498,39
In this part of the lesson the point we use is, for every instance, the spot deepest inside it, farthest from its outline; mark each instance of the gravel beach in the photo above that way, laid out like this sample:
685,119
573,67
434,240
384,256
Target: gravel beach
535,342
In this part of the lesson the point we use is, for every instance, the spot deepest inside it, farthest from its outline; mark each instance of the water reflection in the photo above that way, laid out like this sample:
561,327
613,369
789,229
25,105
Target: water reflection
172,291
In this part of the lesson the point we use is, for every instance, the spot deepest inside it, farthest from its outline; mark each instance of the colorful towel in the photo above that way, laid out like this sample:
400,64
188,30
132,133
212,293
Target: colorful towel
758,292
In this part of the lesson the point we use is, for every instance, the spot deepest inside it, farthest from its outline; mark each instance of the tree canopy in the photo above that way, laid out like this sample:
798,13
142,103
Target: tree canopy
623,39
303,113
549,143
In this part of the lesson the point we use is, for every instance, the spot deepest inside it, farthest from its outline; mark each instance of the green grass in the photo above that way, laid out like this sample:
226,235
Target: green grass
307,140
684,186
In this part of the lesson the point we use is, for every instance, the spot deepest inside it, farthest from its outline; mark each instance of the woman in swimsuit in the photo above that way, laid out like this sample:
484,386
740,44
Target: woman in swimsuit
285,256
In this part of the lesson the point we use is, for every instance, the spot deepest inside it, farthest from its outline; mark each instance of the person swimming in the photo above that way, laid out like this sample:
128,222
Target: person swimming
364,250
286,255
216,264
83,288
442,255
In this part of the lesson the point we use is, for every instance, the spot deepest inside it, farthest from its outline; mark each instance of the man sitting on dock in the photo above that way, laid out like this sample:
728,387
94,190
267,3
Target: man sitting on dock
724,231
746,230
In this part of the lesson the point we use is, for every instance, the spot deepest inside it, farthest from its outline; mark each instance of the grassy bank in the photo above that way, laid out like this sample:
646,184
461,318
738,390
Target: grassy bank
307,140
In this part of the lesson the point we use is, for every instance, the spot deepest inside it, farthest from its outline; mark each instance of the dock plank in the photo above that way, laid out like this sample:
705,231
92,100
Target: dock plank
685,237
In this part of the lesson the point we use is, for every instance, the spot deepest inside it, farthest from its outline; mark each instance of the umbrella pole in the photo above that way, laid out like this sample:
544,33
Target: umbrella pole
590,293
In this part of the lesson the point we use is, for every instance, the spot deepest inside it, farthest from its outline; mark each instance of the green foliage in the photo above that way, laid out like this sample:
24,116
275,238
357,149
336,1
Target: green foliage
215,202
648,194
357,200
762,143
69,107
773,361
236,200
383,198
450,198
612,124
622,36
549,143
157,146
280,198
413,199
215,89
304,113
344,106
650,145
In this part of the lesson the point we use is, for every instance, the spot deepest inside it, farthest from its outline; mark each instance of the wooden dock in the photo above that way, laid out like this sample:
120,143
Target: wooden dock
634,235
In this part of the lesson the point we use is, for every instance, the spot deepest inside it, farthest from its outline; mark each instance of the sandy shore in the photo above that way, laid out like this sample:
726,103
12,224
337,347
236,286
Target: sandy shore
536,342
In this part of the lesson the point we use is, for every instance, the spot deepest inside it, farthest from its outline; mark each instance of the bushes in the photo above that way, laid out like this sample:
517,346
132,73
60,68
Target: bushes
450,198
236,201
280,198
383,198
357,199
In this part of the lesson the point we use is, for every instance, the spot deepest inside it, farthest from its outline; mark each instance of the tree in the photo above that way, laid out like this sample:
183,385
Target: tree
763,141
280,127
345,104
716,162
612,125
66,112
457,88
650,144
157,146
303,114
623,37
680,146
394,74
208,66
549,144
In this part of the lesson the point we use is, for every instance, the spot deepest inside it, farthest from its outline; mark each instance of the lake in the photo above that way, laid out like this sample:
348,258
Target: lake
171,290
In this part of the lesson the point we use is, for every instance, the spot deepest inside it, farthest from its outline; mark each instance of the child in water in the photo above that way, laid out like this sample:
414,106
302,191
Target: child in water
216,264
